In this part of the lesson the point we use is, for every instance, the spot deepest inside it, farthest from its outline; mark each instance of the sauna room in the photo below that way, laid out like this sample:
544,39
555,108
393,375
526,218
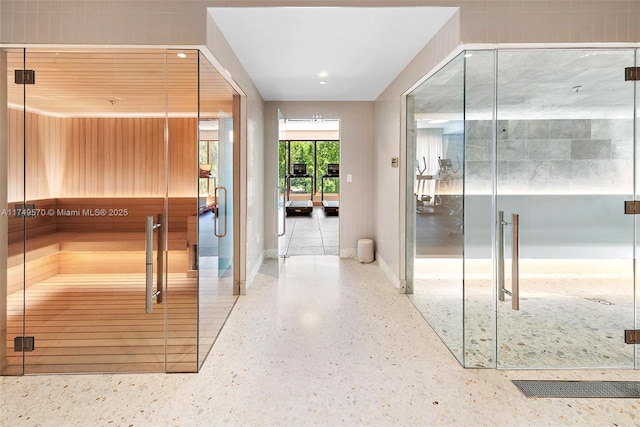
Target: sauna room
117,210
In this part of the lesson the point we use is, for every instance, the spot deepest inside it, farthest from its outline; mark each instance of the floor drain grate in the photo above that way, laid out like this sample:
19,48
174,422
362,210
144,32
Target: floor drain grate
615,389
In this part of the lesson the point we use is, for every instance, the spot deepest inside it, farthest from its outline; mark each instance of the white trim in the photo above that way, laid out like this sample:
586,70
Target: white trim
389,273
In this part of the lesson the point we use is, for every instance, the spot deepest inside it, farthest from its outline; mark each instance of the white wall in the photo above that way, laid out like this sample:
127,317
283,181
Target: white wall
356,158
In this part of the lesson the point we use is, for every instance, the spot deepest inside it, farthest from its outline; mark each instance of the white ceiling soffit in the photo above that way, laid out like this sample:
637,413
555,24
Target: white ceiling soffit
285,49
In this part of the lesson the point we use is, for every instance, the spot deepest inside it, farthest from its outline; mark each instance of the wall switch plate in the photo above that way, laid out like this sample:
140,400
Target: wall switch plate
349,177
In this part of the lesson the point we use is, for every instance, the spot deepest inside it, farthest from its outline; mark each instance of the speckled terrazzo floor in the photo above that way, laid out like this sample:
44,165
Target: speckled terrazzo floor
564,321
330,343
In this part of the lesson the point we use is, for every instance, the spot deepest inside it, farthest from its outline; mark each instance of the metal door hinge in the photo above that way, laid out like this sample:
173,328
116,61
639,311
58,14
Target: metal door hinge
24,344
631,207
632,336
631,74
25,77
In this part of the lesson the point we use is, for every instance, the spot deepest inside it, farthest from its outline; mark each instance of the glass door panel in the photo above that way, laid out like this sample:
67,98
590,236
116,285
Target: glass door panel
12,222
214,250
182,83
93,176
479,305
435,154
280,195
564,170
636,141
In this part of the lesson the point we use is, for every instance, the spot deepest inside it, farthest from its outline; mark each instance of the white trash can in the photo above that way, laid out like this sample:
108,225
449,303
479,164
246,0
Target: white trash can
365,250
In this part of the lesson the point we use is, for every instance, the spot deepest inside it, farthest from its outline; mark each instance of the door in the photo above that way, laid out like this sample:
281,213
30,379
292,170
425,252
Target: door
91,174
565,247
280,195
215,249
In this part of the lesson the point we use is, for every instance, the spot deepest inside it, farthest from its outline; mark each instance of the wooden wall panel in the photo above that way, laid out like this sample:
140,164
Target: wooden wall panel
115,157
15,156
45,137
85,216
100,157
183,157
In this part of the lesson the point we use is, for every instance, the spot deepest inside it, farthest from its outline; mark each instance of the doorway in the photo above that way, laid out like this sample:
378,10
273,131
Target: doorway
107,269
309,174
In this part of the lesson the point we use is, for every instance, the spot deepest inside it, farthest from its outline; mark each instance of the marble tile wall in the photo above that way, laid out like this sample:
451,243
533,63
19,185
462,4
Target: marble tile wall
558,156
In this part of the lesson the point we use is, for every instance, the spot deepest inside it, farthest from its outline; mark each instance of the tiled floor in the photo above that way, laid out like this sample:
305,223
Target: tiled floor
331,343
315,234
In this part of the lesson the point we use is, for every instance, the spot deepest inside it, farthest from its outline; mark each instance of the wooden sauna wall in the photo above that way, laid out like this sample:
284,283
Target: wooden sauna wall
124,157
101,157
94,163
92,160
45,138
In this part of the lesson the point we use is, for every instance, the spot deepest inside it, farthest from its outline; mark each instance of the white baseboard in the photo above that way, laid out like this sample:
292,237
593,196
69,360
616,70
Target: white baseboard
389,273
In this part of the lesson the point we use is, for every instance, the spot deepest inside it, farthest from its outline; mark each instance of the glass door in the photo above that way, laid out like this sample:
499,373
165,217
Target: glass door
215,248
93,231
12,245
565,248
280,195
434,202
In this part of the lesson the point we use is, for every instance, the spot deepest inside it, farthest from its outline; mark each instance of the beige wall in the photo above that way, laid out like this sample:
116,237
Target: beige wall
356,158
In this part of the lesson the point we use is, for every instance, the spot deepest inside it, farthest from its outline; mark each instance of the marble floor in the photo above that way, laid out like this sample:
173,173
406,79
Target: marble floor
315,234
328,343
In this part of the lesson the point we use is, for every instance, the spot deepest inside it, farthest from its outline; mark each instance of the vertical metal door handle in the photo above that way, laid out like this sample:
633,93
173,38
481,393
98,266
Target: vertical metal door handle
149,260
149,294
276,201
215,223
515,259
515,262
160,270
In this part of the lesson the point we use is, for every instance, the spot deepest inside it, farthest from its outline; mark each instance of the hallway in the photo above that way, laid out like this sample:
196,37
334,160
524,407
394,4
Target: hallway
329,343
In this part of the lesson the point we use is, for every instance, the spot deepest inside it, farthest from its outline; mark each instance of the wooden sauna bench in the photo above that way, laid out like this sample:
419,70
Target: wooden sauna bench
83,244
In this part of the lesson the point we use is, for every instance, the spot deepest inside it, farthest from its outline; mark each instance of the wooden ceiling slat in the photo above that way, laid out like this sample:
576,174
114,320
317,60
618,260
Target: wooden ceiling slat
75,82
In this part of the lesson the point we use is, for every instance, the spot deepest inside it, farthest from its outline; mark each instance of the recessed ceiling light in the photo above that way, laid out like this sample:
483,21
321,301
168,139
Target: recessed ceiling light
182,55
323,82
323,74
468,55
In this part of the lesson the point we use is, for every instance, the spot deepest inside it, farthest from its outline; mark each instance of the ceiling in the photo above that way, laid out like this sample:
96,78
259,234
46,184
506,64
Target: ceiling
361,49
531,84
106,82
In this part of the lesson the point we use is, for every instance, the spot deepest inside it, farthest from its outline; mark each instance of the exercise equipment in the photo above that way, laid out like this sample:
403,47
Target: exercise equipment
331,207
299,207
423,198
